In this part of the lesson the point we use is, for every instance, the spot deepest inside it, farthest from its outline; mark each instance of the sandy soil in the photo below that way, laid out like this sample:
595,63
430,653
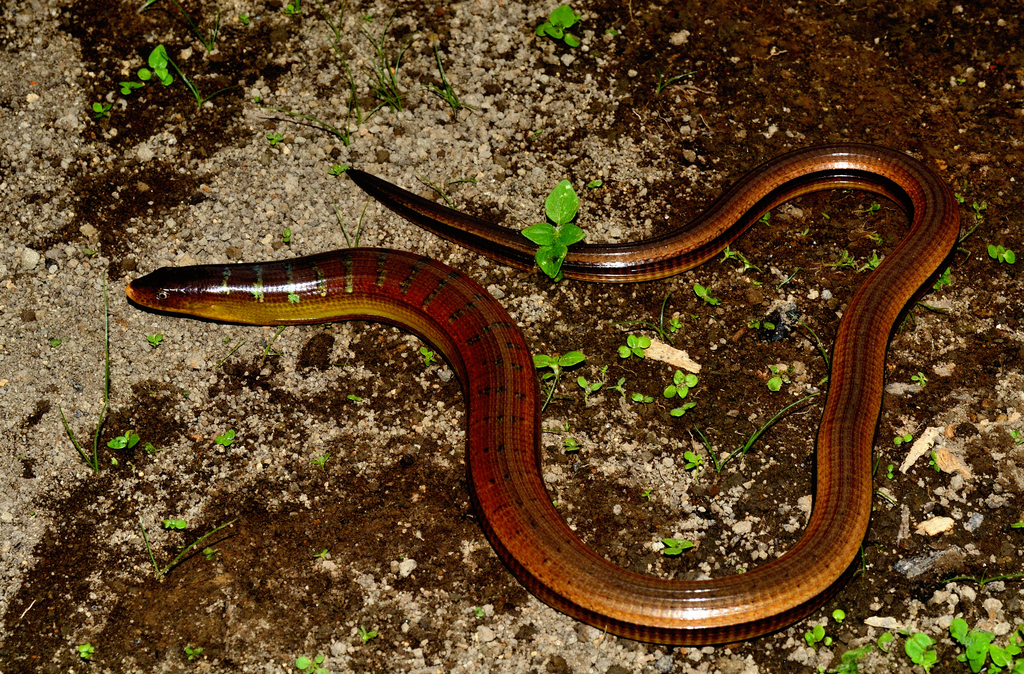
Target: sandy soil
380,536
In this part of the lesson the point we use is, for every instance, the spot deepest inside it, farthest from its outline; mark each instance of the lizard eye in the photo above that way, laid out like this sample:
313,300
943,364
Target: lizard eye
162,295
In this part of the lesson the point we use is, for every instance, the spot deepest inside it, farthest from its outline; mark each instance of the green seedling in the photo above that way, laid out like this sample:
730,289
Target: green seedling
101,110
85,651
693,461
979,647
780,377
933,461
366,634
128,87
161,62
274,138
321,460
154,340
845,261
675,546
303,664
619,386
729,254
554,240
353,241
338,170
646,493
817,637
321,555
884,640
478,611
594,184
944,280
984,580
226,439
663,82
244,18
556,364
175,524
839,615
126,441
150,448
635,346
570,445
354,398
901,439
889,471
161,573
919,648
1017,525
428,356
765,219
384,68
193,653
1018,437
872,263
55,342
209,40
978,208
875,237
94,461
559,21
997,253
680,386
873,208
592,386
664,331
293,8
920,379
642,399
445,91
702,292
210,553
286,236
848,661
758,325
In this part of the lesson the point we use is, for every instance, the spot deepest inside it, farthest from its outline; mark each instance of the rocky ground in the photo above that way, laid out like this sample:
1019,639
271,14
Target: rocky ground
666,104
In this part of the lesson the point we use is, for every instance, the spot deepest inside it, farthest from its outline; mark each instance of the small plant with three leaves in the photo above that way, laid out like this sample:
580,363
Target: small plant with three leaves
680,386
160,65
556,364
997,253
554,239
561,19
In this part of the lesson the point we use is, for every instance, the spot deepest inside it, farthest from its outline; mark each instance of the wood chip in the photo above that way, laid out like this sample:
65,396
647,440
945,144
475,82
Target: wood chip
935,526
663,353
921,446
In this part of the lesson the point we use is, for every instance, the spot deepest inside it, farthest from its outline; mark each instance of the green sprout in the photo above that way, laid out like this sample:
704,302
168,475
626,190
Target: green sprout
161,573
702,292
642,398
210,553
889,471
354,398
635,346
154,340
556,364
366,634
445,91
244,18
933,461
817,636
872,263
1018,437
592,386
128,87
997,253
126,441
900,439
884,640
286,236
775,383
193,653
729,254
845,261
293,8
428,356
274,138
384,68
226,439
570,445
693,461
338,169
978,208
873,208
321,460
302,663
175,524
101,110
675,546
85,651
664,83
619,386
321,555
944,280
594,184
55,342
559,21
839,615
920,379
680,386
554,240
159,61
919,649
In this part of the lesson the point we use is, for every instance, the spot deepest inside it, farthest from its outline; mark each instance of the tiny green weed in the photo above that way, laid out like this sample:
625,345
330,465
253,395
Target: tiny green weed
844,261
556,364
884,640
226,439
445,91
554,240
779,378
919,648
619,386
304,664
693,461
664,331
839,615
663,82
870,210
674,546
85,651
680,386
745,447
559,21
321,460
729,254
321,555
817,637
944,280
428,356
997,253
849,659
590,387
383,70
293,8
872,263
154,340
1018,437
193,653
366,634
635,346
274,138
128,87
338,169
978,209
702,292
900,439
570,445
594,184
920,379
55,342
210,553
160,573
286,236
244,18
126,441
174,524
101,110
642,399
160,62
354,398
